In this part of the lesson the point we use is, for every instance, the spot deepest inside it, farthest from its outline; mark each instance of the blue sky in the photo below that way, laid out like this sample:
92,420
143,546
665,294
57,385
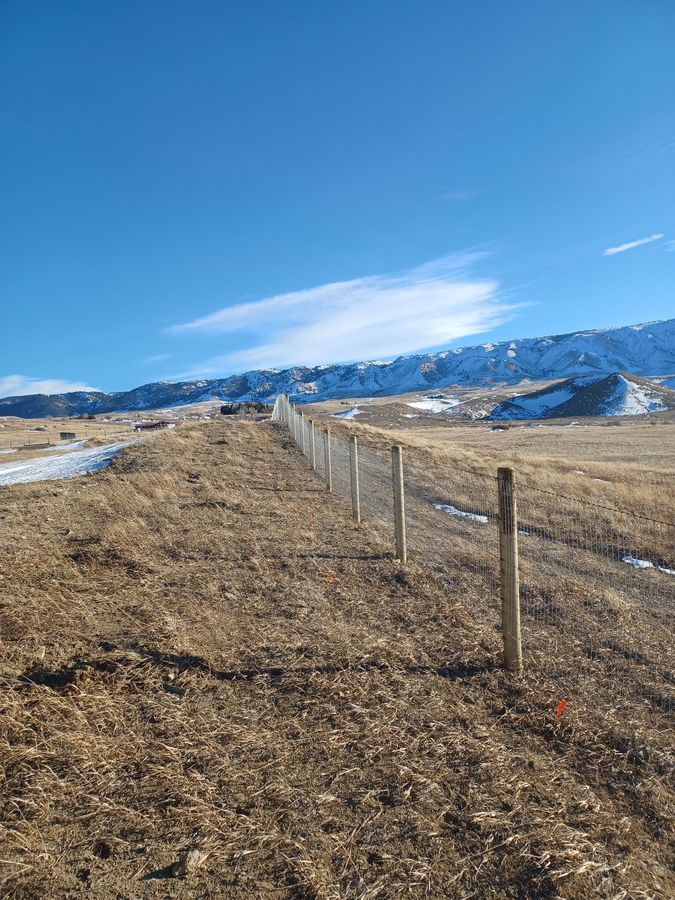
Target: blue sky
200,188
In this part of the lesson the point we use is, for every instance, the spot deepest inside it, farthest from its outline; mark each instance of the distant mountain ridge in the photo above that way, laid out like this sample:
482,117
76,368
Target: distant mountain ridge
646,349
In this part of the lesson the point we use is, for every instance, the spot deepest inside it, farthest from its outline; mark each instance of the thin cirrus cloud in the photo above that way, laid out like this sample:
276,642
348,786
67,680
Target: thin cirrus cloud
364,318
458,195
612,251
22,385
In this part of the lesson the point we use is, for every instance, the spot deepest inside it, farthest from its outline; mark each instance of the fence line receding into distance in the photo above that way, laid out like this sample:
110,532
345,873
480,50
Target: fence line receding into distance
582,594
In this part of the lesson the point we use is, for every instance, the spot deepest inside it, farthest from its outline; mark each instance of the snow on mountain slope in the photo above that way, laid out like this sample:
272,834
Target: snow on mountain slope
644,349
618,394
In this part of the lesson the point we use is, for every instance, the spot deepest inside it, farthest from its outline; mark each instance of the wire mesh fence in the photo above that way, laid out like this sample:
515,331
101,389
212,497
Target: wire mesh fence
597,598
596,584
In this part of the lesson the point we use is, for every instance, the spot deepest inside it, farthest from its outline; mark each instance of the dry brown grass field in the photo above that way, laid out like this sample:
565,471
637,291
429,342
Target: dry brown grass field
593,623
17,436
202,652
628,463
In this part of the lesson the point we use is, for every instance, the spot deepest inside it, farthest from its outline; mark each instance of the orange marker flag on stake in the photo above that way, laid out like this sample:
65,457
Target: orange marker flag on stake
561,707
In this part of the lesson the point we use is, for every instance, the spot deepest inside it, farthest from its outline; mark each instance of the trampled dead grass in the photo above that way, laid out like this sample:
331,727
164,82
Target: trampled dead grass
202,652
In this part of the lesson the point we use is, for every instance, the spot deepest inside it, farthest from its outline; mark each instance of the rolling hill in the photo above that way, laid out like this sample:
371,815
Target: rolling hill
618,394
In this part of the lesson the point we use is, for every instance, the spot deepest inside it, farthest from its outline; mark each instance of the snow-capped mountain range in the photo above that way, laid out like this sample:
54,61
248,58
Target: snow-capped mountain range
647,349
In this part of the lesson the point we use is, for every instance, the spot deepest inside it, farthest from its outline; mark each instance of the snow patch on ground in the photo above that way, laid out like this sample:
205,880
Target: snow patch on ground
434,405
410,416
348,413
6,452
453,511
645,564
75,445
49,468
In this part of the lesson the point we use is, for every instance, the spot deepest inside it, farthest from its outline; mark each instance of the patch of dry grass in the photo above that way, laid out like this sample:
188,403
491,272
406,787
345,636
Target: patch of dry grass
200,650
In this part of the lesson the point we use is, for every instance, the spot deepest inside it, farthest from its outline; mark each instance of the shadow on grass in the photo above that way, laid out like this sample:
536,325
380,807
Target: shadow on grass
66,675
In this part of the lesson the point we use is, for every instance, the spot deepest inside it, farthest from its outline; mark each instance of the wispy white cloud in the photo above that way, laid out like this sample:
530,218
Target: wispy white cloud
152,360
458,195
21,385
612,251
365,318
670,246
639,153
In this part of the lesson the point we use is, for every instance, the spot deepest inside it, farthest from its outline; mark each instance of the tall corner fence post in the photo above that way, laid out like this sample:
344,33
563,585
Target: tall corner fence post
399,503
508,569
327,459
354,471
312,443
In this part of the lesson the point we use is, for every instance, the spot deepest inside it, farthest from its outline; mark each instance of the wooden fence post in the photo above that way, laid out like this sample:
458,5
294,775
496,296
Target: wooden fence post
399,503
327,462
303,433
312,443
354,470
508,569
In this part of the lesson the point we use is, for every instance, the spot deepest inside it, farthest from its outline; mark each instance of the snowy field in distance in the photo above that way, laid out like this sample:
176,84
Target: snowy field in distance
51,468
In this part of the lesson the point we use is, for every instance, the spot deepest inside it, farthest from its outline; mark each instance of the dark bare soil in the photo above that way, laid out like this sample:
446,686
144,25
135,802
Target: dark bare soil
202,652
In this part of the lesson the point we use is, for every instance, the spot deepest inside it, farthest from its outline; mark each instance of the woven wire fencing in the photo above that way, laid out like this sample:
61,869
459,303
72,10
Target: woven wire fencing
597,584
597,600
